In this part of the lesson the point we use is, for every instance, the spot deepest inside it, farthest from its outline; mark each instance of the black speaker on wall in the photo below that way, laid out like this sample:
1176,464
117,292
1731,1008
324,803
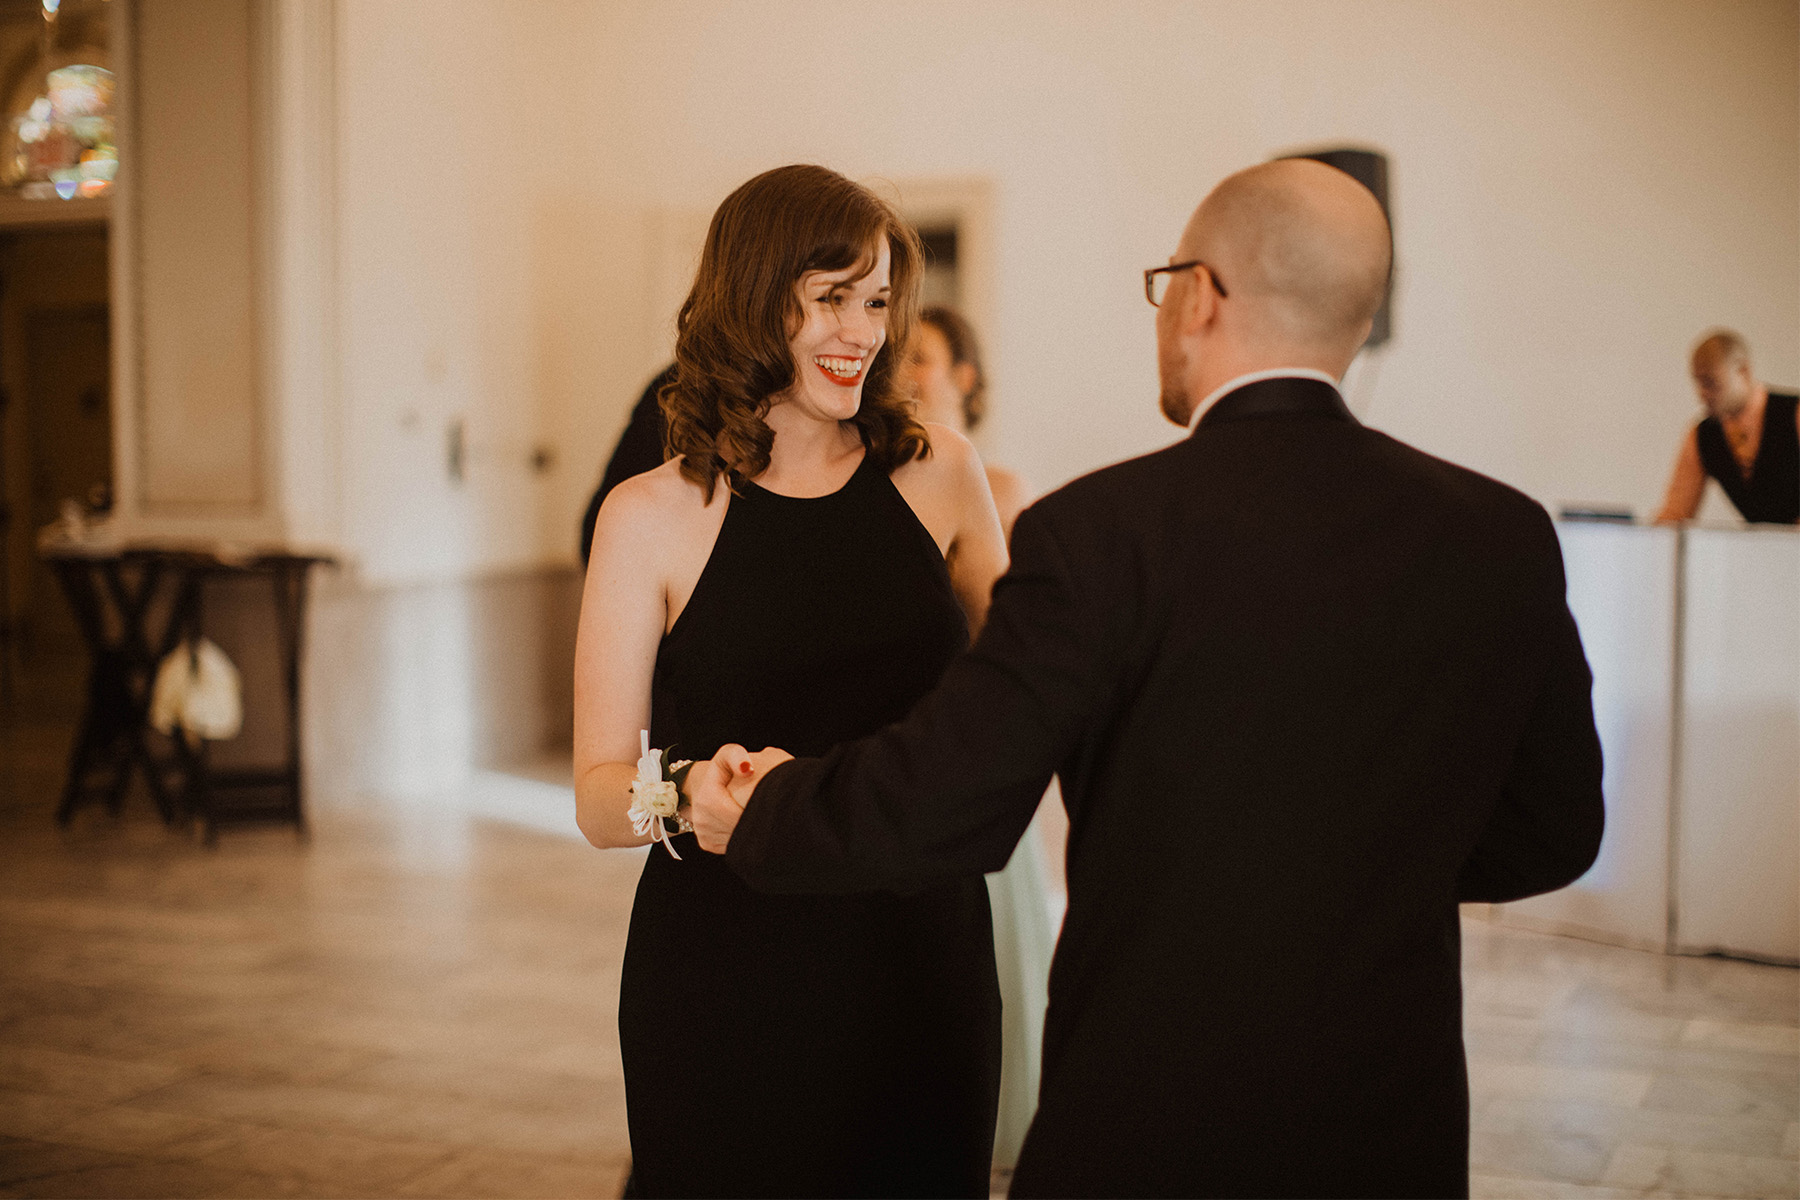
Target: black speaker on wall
1369,168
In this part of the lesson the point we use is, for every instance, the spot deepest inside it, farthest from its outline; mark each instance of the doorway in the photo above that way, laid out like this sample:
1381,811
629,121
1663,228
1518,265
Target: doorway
55,442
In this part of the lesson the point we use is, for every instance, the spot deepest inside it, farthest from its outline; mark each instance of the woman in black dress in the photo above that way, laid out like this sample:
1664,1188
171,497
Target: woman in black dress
800,572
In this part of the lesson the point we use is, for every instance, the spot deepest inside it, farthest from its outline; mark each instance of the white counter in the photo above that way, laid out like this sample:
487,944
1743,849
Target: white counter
1694,640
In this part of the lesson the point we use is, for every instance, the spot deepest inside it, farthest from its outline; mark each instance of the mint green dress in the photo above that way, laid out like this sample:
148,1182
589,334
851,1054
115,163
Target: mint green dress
1022,896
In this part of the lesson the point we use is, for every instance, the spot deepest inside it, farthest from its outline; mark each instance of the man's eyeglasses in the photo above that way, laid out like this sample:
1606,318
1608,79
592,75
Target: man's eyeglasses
1156,280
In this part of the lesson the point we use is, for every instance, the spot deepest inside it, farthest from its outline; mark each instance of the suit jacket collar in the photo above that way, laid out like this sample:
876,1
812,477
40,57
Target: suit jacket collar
1284,397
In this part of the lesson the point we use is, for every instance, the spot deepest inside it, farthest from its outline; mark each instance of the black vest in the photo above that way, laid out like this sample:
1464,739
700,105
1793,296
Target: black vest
1772,493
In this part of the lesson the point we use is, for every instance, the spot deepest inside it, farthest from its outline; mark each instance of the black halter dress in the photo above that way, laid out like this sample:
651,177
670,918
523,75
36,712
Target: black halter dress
807,1045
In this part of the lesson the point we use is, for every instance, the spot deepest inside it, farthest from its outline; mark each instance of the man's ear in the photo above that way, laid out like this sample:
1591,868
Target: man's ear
1200,307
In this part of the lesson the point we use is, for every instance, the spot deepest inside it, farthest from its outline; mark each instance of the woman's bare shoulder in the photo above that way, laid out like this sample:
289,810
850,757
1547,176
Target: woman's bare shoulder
655,503
952,456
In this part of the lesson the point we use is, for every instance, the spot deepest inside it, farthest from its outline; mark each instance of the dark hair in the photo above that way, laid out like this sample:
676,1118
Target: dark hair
959,336
733,351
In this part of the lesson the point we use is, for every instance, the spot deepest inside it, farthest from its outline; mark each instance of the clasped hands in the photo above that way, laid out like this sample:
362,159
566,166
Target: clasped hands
717,791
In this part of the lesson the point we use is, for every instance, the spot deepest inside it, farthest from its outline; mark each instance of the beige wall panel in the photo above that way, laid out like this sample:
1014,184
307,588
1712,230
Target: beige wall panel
409,689
194,195
1738,816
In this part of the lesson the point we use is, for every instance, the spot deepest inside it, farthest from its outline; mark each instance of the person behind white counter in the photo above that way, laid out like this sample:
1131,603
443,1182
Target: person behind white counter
1749,440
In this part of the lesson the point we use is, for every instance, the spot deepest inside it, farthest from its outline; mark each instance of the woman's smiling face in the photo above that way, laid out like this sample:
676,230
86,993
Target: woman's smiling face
843,325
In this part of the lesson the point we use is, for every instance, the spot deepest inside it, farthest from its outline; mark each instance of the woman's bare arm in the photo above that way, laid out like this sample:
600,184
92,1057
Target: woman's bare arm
1011,495
977,554
624,607
948,491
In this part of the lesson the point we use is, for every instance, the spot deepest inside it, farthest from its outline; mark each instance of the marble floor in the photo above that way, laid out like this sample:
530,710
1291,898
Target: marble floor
419,1001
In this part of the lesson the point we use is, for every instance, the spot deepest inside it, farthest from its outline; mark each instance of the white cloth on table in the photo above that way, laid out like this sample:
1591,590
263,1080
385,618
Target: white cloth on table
197,689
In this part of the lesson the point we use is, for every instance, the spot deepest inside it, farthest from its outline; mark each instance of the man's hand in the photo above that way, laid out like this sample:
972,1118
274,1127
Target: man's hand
719,790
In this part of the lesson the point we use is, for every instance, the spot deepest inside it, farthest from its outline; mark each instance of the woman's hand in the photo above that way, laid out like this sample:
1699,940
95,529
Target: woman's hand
719,790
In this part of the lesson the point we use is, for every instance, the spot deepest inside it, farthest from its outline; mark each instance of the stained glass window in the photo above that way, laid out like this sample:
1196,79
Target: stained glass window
58,140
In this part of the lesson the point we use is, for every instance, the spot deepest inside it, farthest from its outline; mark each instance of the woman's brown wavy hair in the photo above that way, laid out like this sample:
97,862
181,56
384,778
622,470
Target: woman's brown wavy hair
732,345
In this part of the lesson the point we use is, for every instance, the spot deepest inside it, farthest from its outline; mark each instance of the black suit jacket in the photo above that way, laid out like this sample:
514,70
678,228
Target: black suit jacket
1306,688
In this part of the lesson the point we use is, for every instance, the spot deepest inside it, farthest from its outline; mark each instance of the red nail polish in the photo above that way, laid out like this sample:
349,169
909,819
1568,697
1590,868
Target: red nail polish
744,768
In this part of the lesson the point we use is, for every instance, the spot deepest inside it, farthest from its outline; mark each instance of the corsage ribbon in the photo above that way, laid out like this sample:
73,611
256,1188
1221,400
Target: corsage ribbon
656,794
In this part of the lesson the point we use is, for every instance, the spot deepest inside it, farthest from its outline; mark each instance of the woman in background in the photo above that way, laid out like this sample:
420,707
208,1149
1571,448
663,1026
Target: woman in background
950,388
798,574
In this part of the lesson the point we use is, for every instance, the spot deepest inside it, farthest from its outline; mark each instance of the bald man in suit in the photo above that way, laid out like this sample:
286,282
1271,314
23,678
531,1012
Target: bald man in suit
1306,688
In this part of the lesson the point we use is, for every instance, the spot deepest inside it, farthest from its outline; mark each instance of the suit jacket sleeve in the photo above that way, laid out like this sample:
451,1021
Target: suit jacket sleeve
1545,830
948,791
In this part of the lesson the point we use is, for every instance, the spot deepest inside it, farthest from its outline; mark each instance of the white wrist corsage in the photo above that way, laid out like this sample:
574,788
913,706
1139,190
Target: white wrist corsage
656,795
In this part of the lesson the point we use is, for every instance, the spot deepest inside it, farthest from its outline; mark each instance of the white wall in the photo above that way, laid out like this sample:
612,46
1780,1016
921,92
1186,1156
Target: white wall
1579,189
476,212
469,288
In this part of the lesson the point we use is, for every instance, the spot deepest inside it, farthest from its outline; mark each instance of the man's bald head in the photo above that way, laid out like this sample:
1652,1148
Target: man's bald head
1722,347
1303,247
1721,370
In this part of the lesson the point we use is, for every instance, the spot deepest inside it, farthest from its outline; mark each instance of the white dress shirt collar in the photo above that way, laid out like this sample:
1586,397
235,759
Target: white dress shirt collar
1232,385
